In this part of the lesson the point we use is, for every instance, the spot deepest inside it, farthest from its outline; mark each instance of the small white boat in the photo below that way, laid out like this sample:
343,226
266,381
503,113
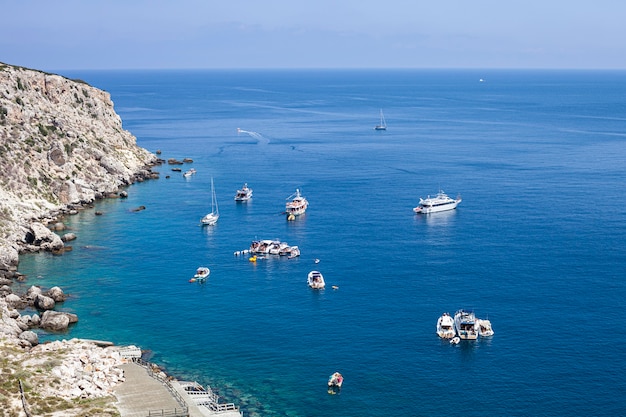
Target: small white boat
445,326
335,380
244,194
465,325
383,124
189,173
441,202
484,328
316,280
211,218
201,274
455,340
296,204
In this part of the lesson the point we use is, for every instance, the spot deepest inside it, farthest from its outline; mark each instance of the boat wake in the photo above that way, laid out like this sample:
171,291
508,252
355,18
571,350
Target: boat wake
259,137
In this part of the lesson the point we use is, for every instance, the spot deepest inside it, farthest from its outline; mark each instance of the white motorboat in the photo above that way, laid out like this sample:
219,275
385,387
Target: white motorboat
290,251
455,340
383,124
335,380
465,325
201,274
445,326
316,280
244,194
211,218
269,247
296,204
441,202
189,173
484,328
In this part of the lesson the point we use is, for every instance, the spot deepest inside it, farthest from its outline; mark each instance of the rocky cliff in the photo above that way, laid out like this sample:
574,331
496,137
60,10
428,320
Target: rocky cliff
61,145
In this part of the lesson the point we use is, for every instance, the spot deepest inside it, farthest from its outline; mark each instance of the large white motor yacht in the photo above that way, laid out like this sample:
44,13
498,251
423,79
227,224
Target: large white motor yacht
441,202
296,204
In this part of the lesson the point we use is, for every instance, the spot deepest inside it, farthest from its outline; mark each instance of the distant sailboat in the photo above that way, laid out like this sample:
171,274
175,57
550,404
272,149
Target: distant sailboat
211,218
383,124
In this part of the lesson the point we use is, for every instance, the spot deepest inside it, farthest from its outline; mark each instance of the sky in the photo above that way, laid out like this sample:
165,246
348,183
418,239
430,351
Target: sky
194,34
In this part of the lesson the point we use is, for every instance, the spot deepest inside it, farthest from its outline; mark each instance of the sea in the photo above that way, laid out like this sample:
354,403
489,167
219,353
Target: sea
537,246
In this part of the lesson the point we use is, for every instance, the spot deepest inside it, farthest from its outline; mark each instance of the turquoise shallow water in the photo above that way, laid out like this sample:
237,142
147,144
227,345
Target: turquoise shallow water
537,245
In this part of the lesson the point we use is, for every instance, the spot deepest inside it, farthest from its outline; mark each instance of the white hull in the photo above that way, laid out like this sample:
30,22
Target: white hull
315,280
211,218
465,325
297,204
441,202
445,327
484,328
244,194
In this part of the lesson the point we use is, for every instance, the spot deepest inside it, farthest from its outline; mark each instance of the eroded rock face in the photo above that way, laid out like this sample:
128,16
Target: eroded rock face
61,143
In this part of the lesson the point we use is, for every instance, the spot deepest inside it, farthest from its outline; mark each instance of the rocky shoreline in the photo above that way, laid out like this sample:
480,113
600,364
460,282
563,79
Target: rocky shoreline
62,147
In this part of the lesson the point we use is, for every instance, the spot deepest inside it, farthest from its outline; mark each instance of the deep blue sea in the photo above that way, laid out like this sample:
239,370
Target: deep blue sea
538,244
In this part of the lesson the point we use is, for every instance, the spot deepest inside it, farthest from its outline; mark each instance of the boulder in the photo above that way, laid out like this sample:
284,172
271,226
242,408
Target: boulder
13,300
68,237
43,302
56,294
57,320
33,292
30,337
39,235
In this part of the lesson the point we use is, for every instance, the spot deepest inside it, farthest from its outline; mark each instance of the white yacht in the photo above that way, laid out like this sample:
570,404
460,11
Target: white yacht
316,280
445,326
484,328
441,202
465,325
296,204
244,194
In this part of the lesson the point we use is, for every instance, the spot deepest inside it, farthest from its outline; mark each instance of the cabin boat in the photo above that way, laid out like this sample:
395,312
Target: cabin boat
335,380
441,202
484,328
244,194
465,325
296,204
445,326
315,280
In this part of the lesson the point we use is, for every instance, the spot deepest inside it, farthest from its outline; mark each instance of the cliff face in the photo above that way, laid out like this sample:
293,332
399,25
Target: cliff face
61,144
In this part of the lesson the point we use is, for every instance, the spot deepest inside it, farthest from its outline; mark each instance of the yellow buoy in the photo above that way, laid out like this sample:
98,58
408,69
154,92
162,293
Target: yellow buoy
252,259
291,218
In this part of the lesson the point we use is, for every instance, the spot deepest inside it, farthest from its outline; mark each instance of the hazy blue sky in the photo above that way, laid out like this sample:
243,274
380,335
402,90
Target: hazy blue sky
92,34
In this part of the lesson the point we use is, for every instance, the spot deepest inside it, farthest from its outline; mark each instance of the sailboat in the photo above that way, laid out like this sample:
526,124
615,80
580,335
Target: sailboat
383,124
211,218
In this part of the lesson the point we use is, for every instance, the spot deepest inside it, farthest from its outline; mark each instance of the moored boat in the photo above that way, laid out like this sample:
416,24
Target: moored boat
484,328
315,280
211,218
189,172
201,274
244,194
445,326
335,380
441,202
465,325
296,204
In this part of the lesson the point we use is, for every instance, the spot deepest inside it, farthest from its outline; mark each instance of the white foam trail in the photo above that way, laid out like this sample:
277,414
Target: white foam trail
259,137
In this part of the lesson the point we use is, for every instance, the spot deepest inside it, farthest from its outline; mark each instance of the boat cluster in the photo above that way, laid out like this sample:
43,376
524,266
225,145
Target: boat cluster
463,326
273,247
